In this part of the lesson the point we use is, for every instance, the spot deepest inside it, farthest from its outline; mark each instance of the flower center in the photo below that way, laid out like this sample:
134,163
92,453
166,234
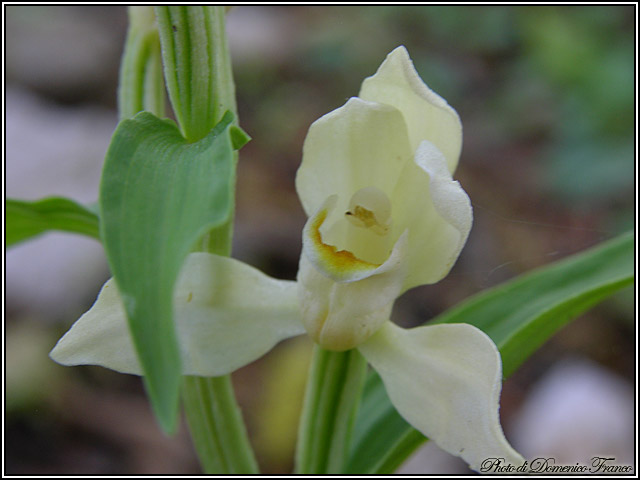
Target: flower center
346,245
370,208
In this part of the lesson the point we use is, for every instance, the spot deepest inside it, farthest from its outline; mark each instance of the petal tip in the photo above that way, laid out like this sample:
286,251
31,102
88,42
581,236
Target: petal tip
445,380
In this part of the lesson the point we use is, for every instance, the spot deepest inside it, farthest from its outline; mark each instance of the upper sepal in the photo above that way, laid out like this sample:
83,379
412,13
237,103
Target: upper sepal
428,116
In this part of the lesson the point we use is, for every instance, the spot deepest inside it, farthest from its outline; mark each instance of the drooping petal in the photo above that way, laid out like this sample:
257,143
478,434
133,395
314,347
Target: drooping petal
227,314
428,116
344,300
445,380
361,144
437,212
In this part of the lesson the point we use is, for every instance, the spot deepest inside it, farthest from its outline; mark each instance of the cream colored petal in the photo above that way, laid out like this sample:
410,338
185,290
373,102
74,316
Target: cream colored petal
445,380
436,211
361,144
100,336
227,314
428,116
341,315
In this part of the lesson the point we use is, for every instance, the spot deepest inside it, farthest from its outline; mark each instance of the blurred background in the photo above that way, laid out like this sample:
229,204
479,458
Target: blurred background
546,98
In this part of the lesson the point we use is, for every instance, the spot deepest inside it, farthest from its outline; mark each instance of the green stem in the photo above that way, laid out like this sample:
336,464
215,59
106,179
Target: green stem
199,79
213,415
329,410
197,66
216,426
141,85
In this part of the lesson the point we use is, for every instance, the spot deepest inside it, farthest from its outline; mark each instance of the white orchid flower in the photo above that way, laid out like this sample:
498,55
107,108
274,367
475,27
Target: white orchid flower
384,216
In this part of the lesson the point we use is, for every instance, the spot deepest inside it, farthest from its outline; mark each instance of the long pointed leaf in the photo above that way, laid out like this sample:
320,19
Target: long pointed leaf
28,219
158,195
519,315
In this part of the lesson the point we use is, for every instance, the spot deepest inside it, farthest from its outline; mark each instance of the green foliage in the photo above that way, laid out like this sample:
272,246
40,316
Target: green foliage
28,219
519,316
158,195
586,57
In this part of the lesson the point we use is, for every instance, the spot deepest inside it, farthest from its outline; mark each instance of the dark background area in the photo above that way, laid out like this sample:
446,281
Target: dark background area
546,98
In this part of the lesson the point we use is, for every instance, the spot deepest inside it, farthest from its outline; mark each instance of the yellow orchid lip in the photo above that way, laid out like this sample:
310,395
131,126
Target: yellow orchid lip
341,265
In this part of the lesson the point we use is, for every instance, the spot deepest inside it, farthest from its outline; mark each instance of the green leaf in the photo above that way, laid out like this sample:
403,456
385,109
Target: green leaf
239,138
523,314
28,219
158,195
382,439
519,315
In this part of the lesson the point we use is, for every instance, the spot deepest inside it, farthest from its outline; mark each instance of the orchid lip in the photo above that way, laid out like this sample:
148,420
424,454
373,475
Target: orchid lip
341,265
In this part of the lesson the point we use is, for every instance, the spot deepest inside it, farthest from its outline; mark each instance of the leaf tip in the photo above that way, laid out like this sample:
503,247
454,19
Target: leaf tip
164,403
239,138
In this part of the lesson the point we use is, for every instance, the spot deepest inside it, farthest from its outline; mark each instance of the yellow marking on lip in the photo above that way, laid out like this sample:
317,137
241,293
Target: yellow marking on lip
337,261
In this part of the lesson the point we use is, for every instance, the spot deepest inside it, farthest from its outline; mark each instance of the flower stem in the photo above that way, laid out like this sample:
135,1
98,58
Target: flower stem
213,415
197,66
216,426
328,413
199,79
141,85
